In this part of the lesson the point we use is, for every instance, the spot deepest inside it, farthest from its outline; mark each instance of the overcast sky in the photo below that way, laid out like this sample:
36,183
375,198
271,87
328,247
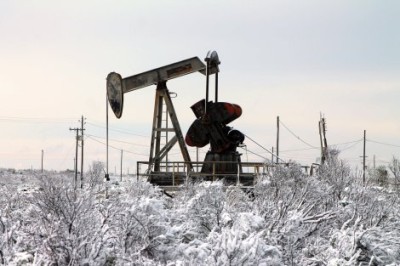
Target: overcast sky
292,59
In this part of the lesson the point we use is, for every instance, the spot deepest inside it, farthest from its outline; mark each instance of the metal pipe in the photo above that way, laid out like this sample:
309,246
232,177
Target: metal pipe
107,175
216,87
207,85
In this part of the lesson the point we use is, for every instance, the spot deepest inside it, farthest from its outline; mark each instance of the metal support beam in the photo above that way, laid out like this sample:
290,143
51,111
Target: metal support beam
156,152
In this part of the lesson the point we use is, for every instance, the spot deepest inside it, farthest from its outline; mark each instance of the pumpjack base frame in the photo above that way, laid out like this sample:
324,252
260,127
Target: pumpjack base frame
165,179
179,175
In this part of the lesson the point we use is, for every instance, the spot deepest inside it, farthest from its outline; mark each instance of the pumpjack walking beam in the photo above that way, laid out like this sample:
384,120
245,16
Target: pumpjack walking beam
118,86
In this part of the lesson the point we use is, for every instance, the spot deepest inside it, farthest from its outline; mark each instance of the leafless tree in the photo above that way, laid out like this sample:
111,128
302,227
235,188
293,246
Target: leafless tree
95,174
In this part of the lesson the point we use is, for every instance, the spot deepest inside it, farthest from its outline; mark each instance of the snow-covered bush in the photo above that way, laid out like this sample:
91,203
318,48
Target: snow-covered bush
11,220
289,218
67,224
95,174
337,175
313,219
140,222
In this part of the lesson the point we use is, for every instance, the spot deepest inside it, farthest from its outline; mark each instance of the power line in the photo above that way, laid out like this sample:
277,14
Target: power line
351,146
35,118
21,121
90,137
121,141
263,147
256,154
344,143
294,150
280,157
118,130
297,137
382,143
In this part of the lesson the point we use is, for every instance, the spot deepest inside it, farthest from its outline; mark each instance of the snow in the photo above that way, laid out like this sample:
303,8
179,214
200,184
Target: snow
288,220
22,258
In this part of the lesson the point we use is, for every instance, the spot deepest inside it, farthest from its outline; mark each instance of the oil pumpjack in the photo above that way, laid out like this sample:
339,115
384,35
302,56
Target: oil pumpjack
209,127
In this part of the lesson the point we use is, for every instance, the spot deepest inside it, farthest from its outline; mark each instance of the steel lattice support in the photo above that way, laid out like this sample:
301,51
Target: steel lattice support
157,153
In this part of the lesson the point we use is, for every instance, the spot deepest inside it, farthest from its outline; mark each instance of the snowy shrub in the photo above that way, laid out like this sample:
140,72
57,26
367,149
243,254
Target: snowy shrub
95,174
230,247
206,207
243,243
140,223
66,224
381,245
394,168
337,175
12,241
237,201
214,227
287,219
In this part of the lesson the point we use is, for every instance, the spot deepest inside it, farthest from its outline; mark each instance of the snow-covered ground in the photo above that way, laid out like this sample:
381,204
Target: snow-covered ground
288,219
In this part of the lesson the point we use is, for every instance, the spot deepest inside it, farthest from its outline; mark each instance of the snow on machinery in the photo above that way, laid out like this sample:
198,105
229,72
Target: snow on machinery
210,126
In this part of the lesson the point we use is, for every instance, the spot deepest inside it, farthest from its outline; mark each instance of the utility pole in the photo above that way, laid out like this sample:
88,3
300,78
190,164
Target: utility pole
374,162
277,139
76,154
82,129
364,158
272,155
107,176
320,140
42,160
322,136
197,159
122,152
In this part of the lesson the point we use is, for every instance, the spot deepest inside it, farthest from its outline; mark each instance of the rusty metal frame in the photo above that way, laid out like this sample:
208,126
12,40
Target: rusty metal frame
157,153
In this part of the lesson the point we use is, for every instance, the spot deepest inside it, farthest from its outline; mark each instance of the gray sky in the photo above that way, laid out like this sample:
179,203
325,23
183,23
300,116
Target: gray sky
292,59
